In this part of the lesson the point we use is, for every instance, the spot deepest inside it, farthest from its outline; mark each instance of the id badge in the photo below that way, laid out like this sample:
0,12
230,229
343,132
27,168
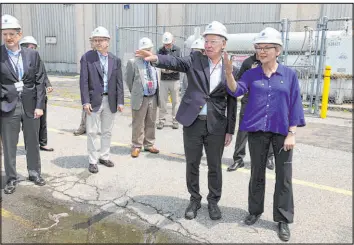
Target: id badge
19,86
150,84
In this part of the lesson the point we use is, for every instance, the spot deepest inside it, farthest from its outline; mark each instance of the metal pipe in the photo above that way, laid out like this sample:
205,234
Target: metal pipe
320,64
314,66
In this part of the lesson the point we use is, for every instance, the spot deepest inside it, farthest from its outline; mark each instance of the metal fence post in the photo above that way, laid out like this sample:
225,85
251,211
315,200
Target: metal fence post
314,79
286,41
321,61
117,41
283,30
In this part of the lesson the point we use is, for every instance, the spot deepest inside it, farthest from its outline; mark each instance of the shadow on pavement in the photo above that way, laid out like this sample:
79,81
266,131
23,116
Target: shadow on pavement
176,207
72,161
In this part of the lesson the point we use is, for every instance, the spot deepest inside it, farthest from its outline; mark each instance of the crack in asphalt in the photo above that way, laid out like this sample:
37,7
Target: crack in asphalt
160,212
166,215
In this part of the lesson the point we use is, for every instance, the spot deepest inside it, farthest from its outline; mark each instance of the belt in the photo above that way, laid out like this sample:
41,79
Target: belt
104,93
149,95
202,117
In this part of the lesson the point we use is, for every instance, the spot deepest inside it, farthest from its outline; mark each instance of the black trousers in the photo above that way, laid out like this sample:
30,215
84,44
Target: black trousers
283,203
195,137
43,133
241,139
10,129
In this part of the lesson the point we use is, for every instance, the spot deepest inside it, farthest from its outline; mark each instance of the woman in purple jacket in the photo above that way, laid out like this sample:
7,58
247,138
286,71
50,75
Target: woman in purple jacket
272,115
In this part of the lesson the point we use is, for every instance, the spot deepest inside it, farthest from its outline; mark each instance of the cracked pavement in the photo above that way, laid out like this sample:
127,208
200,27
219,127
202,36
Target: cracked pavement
152,189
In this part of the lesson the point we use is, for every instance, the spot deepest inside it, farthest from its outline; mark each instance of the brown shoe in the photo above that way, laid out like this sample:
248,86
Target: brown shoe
152,149
135,152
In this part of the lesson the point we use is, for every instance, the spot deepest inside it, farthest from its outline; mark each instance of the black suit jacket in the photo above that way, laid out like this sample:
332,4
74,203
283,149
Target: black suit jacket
91,81
197,94
33,94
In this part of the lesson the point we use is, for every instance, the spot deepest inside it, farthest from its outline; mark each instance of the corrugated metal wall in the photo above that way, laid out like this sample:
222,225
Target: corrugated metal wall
333,11
112,15
57,20
225,13
7,9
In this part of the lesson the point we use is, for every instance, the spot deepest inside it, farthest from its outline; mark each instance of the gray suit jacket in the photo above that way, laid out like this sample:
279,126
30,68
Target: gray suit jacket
33,93
91,81
134,77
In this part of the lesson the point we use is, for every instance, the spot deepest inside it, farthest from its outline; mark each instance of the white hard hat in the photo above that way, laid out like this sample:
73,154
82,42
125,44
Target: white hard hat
9,22
100,32
198,44
216,28
167,38
269,35
145,43
28,39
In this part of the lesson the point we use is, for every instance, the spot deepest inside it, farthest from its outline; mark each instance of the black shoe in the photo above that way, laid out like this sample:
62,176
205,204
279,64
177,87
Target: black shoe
191,211
270,163
283,231
93,168
251,219
107,163
42,148
38,180
214,211
10,187
235,166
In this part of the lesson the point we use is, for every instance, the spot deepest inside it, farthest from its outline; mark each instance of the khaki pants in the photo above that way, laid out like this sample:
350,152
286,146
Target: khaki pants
143,125
165,87
104,118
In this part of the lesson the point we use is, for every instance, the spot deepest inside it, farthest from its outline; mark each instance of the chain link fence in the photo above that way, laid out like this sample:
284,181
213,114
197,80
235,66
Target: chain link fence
309,46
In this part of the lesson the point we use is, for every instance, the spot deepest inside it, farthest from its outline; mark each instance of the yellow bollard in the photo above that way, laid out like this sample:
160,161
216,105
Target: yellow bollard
325,93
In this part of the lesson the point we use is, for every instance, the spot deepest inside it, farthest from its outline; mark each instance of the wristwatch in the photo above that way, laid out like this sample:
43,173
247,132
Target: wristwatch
292,132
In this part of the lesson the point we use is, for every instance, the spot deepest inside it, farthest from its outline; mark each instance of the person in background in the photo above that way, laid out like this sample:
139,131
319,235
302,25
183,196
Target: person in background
30,42
82,128
272,116
197,46
143,81
169,82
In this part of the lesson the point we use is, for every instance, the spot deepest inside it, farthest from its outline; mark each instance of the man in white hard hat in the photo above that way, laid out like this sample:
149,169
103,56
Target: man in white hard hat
203,114
273,113
30,42
197,46
102,95
82,128
143,82
22,101
169,82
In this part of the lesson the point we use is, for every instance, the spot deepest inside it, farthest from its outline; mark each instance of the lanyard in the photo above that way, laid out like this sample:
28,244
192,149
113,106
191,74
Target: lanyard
16,65
215,66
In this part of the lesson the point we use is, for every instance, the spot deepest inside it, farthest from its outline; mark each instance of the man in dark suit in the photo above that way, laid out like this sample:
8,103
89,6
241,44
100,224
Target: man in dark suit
102,94
22,100
202,113
30,42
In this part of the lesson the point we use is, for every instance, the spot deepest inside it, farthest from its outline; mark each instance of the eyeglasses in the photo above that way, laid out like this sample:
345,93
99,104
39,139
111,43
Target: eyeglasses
99,40
10,35
212,42
265,49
